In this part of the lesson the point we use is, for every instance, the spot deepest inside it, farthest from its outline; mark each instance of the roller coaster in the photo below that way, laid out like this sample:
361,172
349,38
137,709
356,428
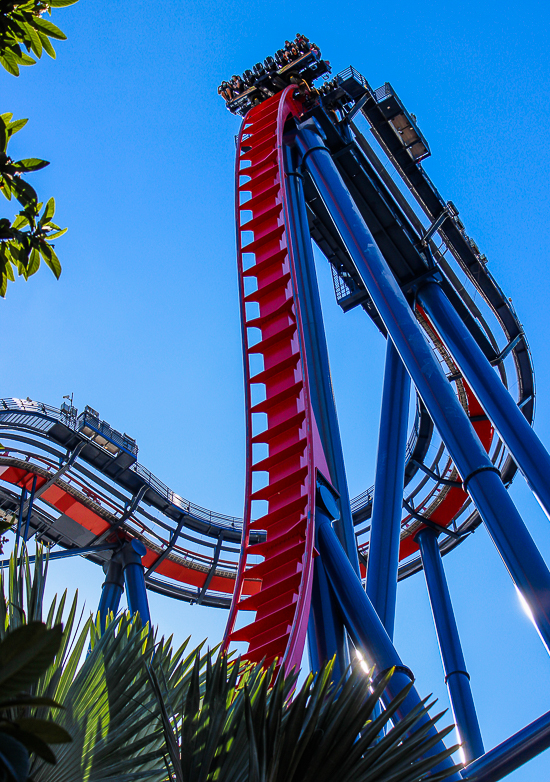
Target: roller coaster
306,563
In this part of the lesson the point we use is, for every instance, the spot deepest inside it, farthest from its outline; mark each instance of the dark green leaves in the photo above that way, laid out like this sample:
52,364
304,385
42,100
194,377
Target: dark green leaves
251,731
30,164
27,240
25,654
24,27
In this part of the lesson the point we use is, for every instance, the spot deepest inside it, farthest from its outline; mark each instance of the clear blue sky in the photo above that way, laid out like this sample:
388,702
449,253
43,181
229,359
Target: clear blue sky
143,324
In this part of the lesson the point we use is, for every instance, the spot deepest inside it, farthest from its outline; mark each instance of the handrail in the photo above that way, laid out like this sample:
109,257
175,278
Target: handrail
42,410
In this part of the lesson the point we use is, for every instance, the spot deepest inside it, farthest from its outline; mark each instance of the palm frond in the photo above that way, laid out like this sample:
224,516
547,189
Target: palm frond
110,709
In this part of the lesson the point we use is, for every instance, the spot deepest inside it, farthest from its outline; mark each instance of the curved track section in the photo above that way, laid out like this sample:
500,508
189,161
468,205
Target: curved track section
282,442
90,492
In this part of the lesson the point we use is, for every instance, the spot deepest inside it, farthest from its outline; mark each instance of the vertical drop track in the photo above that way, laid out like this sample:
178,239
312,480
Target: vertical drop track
280,427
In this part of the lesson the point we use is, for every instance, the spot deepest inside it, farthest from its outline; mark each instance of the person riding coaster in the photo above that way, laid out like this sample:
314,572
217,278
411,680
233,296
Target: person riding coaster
225,91
237,85
306,92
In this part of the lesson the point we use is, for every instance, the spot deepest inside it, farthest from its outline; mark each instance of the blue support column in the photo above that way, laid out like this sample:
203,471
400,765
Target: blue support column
29,509
529,454
523,746
480,477
320,383
364,625
111,591
326,632
20,515
388,490
134,579
456,675
326,635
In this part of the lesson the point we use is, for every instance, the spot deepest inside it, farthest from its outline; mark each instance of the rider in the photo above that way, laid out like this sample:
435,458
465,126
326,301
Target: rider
225,91
237,85
302,43
291,50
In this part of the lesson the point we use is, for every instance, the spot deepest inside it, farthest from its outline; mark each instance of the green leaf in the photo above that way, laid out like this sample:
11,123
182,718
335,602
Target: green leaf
25,194
34,263
49,211
46,43
5,187
30,741
36,43
29,700
6,117
48,730
61,3
31,164
20,221
49,28
26,59
51,258
57,234
16,125
9,64
25,654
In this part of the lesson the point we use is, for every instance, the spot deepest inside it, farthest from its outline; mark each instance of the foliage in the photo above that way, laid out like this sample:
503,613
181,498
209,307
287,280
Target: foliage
250,731
26,239
109,708
25,655
23,23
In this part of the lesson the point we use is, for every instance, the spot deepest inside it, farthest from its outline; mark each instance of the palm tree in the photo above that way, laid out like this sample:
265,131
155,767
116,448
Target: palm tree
248,728
110,710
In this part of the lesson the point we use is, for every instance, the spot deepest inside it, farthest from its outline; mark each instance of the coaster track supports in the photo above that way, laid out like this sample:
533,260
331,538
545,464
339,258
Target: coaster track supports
480,477
456,675
20,515
326,632
130,557
363,623
111,591
29,505
529,454
387,506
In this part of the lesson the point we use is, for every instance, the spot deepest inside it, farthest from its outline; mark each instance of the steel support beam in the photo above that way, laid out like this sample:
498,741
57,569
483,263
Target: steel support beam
210,575
20,515
130,508
364,625
523,746
387,505
29,507
456,675
67,464
529,454
130,557
168,550
70,552
326,632
480,477
320,383
111,591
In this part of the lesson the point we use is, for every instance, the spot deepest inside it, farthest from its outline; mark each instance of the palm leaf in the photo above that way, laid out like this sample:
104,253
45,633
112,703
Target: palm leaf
110,709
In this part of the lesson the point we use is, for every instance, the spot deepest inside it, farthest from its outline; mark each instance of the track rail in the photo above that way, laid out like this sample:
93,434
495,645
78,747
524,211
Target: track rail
289,436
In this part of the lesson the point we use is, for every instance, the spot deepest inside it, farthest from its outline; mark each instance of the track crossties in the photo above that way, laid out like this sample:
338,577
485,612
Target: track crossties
280,425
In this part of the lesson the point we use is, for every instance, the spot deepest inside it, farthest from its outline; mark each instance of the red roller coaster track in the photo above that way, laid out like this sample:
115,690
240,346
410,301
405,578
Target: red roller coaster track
281,605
